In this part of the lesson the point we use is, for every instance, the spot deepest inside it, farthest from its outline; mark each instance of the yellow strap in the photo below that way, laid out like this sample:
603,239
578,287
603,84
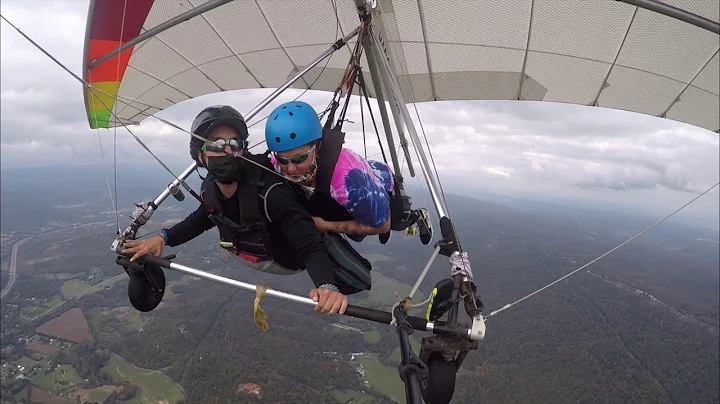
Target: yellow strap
430,304
261,318
407,304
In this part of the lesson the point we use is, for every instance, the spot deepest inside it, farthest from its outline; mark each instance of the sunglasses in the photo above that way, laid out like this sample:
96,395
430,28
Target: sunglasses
219,145
297,159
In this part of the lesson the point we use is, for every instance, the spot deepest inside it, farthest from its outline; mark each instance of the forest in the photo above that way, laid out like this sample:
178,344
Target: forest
640,326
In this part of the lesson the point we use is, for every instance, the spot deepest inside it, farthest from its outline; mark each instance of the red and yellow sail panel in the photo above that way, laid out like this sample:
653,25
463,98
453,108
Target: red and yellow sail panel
109,19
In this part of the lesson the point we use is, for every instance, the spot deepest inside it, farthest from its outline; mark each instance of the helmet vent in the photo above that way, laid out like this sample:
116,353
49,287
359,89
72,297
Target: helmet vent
293,136
277,139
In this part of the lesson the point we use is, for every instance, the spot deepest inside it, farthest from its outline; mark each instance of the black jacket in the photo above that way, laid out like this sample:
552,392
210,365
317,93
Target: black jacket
297,243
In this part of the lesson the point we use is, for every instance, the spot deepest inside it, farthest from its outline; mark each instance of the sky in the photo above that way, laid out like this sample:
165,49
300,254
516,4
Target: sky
551,151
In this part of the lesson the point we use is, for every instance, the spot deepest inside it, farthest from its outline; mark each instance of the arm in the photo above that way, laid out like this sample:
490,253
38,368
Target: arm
290,218
192,226
355,227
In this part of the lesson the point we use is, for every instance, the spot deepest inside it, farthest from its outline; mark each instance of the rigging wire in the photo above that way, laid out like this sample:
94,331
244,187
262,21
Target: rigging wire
362,122
88,86
113,200
507,306
422,128
295,99
338,27
362,91
115,105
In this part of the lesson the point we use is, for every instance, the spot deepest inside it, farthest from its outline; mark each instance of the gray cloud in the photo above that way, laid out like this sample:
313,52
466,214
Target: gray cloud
527,147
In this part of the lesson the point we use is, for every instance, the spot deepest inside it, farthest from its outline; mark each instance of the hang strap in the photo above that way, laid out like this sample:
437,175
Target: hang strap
332,143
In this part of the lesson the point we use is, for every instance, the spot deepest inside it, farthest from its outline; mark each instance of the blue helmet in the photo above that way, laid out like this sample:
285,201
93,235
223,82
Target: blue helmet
290,125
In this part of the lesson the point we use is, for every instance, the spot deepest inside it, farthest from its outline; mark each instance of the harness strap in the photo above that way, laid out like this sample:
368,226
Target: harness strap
332,143
264,197
249,239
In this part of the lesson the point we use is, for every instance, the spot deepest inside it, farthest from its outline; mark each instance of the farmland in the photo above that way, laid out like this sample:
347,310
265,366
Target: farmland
70,326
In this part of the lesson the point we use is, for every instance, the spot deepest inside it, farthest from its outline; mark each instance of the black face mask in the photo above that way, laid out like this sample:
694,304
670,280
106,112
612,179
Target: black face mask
225,169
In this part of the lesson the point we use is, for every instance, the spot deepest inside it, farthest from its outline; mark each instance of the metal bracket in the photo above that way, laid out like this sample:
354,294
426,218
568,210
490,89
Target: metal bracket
477,329
140,216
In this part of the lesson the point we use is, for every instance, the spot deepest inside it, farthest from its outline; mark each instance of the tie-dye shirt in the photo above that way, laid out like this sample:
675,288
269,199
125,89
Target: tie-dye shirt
361,186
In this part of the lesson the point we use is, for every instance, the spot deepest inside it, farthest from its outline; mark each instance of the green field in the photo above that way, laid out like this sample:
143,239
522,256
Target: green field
98,395
383,379
383,291
154,385
372,336
134,321
396,357
56,381
129,316
72,287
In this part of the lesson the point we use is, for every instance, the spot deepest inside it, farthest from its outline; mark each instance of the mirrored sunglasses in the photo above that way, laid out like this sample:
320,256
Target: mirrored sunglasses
297,159
219,145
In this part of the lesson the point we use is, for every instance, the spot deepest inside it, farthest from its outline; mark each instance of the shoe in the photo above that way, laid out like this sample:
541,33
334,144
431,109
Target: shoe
424,226
384,237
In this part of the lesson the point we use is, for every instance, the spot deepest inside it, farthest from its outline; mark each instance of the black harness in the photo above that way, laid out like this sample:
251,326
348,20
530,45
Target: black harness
250,239
321,203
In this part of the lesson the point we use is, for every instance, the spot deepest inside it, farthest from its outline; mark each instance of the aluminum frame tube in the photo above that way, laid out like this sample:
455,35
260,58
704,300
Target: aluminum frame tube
417,323
676,13
160,198
329,51
380,97
160,28
375,53
430,178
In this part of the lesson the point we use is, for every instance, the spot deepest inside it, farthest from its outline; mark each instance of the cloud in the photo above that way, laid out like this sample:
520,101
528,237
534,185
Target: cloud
520,147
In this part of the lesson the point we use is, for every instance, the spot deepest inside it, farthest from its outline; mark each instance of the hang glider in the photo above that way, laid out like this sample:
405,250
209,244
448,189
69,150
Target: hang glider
602,53
645,56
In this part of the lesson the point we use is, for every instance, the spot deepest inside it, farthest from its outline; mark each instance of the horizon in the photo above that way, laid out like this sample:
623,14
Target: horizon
416,187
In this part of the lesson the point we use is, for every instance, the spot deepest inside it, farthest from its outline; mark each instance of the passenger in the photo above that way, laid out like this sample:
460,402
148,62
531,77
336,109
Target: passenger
350,195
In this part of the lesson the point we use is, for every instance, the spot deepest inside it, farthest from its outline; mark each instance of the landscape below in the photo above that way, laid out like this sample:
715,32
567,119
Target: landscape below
640,326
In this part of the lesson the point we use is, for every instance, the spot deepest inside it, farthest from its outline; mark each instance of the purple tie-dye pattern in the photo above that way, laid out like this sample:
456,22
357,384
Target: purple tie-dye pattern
361,186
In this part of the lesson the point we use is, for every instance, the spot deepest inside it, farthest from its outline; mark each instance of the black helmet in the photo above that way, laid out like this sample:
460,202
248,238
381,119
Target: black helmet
212,117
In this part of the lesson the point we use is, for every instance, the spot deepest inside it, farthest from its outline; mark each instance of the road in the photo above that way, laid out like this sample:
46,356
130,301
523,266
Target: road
13,256
13,266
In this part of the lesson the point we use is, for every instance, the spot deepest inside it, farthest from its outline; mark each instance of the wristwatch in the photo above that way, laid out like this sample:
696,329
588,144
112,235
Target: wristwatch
329,286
